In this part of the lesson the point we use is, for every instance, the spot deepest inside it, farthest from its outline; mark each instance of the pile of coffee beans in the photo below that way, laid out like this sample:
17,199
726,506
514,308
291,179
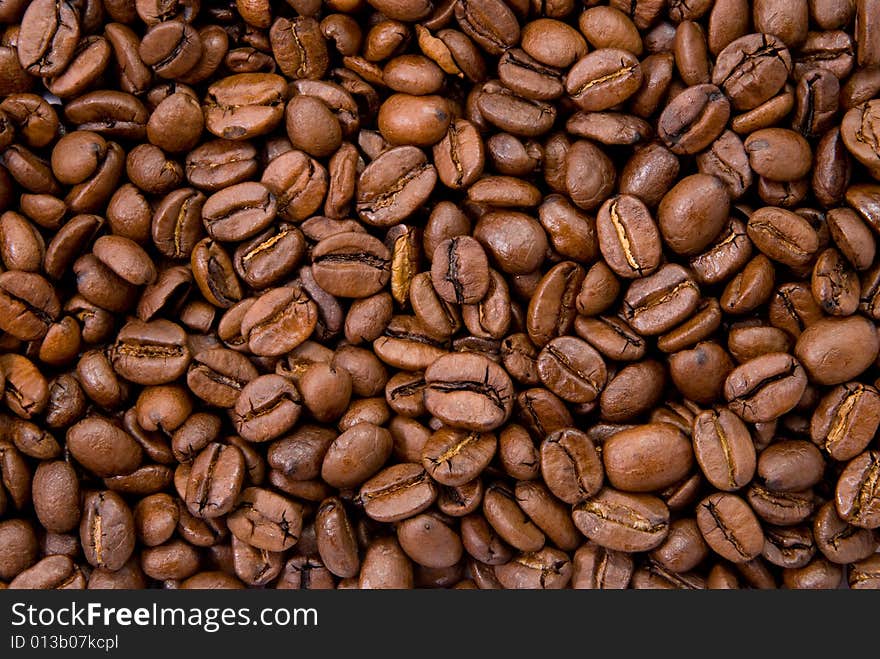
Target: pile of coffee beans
439,293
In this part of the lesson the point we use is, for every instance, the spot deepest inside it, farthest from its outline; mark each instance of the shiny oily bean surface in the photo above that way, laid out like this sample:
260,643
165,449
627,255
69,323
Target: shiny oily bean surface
463,293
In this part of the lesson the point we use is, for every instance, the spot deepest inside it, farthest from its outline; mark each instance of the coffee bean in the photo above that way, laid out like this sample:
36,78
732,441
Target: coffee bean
656,303
215,480
508,520
751,69
595,567
106,530
647,458
730,528
266,520
150,353
724,449
765,387
394,185
694,119
835,350
572,369
687,200
455,457
468,391
628,237
603,78
623,522
856,496
266,408
843,422
351,265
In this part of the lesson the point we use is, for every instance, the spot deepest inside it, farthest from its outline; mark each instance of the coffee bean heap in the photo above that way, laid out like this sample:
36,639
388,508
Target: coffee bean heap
450,293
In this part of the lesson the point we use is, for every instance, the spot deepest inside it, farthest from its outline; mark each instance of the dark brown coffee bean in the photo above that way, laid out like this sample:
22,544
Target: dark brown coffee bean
28,304
49,35
266,408
455,457
509,521
356,454
628,237
835,286
215,480
351,265
106,530
623,522
724,449
266,520
647,458
765,387
56,572
834,350
491,24
502,107
468,391
697,196
603,79
572,369
595,567
243,106
150,353
751,69
56,496
570,465
693,119
856,495
656,303
845,420
730,528
551,310
839,541
239,211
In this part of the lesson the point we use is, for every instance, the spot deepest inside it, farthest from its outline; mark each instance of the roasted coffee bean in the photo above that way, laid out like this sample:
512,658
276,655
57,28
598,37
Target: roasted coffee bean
595,567
571,466
845,420
266,408
150,353
751,69
279,321
693,120
765,387
834,350
351,265
572,369
394,185
509,521
106,530
266,520
623,522
215,480
468,391
856,495
628,237
646,458
455,457
730,528
245,105
724,449
239,212
603,79
655,304
839,541
356,454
